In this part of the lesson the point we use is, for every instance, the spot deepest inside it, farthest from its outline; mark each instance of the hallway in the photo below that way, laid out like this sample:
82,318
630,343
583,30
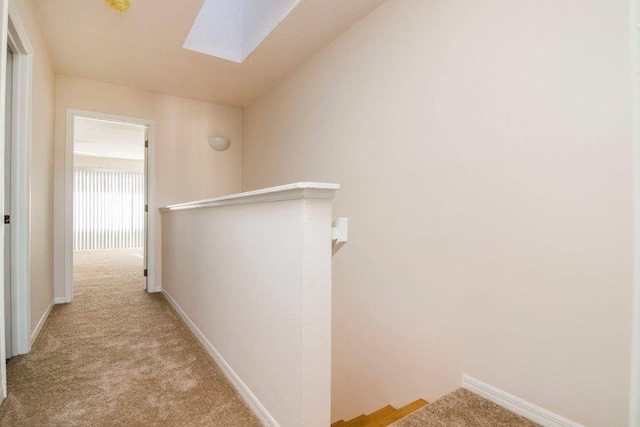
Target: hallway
117,355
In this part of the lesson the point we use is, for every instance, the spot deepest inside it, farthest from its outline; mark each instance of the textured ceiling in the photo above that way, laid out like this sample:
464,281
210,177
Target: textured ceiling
101,138
142,47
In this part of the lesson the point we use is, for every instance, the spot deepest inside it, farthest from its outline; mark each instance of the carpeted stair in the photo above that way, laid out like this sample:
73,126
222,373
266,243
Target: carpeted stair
461,408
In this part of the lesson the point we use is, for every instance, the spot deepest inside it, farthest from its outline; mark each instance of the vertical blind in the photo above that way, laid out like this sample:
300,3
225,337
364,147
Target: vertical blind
108,209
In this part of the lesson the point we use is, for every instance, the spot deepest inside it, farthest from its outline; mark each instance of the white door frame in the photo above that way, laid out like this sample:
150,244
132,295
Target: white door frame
150,190
4,18
634,395
12,33
20,184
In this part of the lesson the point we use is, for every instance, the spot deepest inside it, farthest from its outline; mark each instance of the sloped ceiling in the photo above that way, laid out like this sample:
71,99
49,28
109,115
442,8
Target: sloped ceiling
143,46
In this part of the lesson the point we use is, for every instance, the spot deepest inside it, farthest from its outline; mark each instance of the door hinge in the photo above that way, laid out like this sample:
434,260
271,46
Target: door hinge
146,208
7,219
145,272
146,144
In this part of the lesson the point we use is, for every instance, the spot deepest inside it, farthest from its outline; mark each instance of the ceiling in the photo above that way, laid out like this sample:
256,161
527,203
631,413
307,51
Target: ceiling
143,46
233,30
100,138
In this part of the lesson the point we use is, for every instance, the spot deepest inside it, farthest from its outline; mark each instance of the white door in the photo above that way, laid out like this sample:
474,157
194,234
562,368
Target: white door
4,17
7,206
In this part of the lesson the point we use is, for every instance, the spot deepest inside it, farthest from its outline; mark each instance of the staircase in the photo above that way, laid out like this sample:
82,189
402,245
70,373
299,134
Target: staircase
383,416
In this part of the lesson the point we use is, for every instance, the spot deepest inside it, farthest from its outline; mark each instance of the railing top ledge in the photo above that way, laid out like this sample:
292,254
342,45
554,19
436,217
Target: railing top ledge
298,190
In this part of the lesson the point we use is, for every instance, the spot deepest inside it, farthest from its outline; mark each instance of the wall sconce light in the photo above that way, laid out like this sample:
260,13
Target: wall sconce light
219,143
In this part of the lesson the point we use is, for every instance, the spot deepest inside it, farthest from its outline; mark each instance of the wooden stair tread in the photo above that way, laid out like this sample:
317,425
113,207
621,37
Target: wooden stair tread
380,413
356,422
401,413
383,416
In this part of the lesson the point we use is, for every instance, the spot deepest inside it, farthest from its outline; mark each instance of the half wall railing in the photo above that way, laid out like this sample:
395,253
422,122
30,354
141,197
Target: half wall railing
250,274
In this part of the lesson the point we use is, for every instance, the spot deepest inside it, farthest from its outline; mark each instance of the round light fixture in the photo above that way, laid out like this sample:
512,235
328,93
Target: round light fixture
119,5
219,143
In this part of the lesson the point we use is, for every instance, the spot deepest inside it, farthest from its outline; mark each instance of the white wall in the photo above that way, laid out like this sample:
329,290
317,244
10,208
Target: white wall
484,149
255,279
42,130
186,168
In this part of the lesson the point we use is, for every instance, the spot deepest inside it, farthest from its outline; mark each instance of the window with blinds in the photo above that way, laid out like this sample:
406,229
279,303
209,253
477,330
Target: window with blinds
108,210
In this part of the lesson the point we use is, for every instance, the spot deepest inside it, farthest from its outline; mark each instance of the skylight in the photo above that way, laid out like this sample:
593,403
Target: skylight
233,29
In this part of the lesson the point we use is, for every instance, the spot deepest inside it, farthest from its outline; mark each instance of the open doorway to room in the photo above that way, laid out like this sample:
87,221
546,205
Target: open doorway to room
18,331
8,329
108,237
108,209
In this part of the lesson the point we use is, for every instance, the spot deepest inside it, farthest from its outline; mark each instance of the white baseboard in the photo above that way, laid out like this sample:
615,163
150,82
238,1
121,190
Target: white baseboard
515,404
40,324
60,300
258,409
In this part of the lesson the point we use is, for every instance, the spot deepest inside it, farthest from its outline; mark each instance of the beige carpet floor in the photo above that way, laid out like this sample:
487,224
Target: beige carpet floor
117,356
463,408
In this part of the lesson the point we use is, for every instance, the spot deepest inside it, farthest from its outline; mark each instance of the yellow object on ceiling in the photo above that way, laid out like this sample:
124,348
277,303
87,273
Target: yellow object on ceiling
119,5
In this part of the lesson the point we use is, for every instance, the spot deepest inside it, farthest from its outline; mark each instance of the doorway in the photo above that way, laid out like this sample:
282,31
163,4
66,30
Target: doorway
19,333
8,331
109,198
